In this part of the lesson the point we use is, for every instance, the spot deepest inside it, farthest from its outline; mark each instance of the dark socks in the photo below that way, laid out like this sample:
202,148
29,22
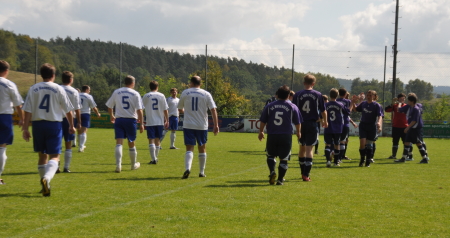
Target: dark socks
282,169
271,164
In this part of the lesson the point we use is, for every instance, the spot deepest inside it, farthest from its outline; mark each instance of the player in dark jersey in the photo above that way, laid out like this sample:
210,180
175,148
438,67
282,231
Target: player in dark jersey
336,112
413,130
310,103
279,116
369,125
346,129
399,122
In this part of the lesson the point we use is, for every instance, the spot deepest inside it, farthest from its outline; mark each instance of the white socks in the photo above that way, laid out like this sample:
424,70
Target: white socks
67,158
152,149
50,169
118,154
82,140
133,156
172,139
2,159
188,157
41,169
158,148
202,162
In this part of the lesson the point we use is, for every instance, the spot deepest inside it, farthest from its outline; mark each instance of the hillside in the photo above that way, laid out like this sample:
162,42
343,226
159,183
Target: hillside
23,80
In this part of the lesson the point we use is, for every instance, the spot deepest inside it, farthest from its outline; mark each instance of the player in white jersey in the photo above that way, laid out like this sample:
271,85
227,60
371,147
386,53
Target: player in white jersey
87,102
9,98
157,118
172,102
74,97
128,109
195,102
43,106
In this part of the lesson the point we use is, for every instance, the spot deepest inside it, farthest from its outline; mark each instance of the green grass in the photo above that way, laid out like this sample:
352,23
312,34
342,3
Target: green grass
234,200
23,80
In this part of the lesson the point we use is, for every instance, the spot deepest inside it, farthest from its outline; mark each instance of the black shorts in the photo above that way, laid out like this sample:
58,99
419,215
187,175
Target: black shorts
414,135
332,139
309,133
368,131
397,134
345,133
279,145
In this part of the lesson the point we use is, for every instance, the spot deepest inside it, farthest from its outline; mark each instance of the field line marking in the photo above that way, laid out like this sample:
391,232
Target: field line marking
80,216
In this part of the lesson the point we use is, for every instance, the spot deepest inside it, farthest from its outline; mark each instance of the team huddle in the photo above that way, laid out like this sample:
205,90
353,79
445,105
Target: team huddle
308,107
57,112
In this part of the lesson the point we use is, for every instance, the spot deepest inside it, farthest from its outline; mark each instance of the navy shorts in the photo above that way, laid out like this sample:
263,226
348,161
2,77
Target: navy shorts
279,145
414,135
125,128
191,136
86,120
173,123
154,132
309,132
368,131
6,129
345,133
65,130
47,136
332,138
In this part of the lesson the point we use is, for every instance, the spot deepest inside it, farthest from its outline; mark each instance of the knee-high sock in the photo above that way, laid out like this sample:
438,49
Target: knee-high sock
173,136
163,135
316,147
308,166
41,170
188,157
2,159
82,141
157,149
422,151
50,169
394,150
271,162
118,154
301,161
337,156
133,156
202,162
74,142
282,169
152,149
406,151
67,158
328,153
362,154
410,152
369,152
374,148
342,150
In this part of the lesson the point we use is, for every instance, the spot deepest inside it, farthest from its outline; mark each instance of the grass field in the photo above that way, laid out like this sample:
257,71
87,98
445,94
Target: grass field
234,200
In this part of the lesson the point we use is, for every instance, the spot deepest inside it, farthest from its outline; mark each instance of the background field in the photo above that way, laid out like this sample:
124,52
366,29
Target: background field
234,200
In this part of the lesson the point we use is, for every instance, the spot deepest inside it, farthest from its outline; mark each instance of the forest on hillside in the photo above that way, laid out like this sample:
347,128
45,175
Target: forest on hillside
239,87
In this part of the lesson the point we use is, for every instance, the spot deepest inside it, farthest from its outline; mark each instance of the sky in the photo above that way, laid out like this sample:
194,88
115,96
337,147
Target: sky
343,38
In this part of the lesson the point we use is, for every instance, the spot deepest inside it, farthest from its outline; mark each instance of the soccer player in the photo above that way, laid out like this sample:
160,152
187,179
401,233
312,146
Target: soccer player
172,102
157,118
279,117
399,122
195,102
310,103
87,103
43,106
369,126
413,130
346,129
128,109
74,97
336,112
9,98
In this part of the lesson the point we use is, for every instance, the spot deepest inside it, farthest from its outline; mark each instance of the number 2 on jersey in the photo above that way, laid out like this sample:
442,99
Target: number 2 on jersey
155,104
195,104
45,103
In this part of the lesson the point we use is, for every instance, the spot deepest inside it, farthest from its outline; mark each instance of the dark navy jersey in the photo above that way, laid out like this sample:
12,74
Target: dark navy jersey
336,112
310,103
370,111
346,103
413,114
279,117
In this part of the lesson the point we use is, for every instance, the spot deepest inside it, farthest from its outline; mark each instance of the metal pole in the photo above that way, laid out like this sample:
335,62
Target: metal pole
293,51
36,60
394,47
384,77
120,66
206,67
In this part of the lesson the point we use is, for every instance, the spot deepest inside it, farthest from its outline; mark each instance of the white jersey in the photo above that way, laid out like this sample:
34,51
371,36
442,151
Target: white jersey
9,96
173,106
73,96
155,104
87,102
126,101
46,100
196,103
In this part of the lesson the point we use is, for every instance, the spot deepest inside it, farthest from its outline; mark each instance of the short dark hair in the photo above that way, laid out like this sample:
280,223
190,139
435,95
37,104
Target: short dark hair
283,92
401,95
173,89
309,79
153,85
66,77
196,80
47,71
129,80
342,92
412,98
324,97
334,93
4,66
84,88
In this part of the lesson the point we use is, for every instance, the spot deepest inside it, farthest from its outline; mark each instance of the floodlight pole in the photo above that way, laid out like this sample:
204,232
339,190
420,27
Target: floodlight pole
293,51
120,66
394,48
206,67
36,64
384,75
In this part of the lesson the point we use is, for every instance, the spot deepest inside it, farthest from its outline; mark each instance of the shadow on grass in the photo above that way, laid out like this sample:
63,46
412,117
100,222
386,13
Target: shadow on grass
23,195
249,152
145,179
240,184
89,172
23,173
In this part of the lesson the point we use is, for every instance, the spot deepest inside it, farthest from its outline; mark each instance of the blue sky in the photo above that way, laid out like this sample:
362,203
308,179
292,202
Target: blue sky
236,27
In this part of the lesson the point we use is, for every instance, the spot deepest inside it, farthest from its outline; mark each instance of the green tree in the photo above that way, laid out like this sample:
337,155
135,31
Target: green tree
8,48
438,111
422,89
